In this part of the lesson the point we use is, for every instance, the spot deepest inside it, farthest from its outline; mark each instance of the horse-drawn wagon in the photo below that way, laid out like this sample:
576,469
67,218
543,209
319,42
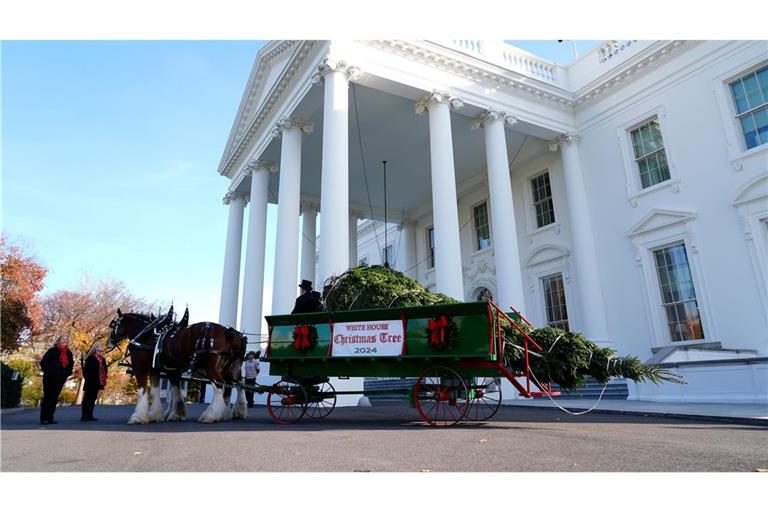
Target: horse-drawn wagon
455,350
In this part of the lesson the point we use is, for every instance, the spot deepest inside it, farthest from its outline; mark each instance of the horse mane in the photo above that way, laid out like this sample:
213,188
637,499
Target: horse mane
140,316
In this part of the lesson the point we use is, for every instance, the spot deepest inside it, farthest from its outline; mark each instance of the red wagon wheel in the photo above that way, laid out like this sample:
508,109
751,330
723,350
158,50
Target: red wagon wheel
440,396
321,401
286,402
484,398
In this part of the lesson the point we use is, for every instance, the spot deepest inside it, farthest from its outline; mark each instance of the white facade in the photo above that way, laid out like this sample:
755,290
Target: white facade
487,106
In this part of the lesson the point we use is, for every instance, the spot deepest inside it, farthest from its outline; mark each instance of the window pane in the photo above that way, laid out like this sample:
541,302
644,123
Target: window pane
554,299
762,78
750,133
637,144
650,141
678,294
761,121
542,199
739,97
663,166
754,98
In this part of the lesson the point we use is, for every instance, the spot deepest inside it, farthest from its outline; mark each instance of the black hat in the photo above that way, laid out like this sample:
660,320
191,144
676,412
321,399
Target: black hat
307,285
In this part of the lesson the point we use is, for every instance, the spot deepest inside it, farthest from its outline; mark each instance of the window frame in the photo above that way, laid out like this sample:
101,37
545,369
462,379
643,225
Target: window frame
738,116
547,321
530,180
430,248
384,253
736,145
476,239
664,305
634,184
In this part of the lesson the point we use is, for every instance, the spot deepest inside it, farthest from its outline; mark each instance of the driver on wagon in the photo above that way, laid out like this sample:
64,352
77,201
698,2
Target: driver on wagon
308,301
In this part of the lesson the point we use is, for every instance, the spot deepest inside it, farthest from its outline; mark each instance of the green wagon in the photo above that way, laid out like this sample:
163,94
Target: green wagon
456,350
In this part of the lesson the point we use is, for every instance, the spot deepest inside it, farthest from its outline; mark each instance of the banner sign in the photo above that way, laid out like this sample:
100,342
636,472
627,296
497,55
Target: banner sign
382,338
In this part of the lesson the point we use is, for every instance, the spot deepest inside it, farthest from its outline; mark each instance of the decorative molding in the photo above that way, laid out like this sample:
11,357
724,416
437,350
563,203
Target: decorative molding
753,190
658,219
631,70
287,123
332,65
231,196
249,126
566,138
256,165
434,97
309,206
492,115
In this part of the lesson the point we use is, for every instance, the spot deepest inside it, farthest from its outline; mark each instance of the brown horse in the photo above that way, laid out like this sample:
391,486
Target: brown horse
162,345
218,353
142,331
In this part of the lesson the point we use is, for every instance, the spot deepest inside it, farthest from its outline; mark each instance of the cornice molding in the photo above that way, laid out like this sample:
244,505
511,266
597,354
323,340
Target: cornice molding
634,68
332,65
288,123
296,64
231,196
461,65
492,115
434,97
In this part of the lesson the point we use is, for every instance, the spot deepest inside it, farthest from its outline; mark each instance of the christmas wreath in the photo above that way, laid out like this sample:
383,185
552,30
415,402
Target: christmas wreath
441,332
304,337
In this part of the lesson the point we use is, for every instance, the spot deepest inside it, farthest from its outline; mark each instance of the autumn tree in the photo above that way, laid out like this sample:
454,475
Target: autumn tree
85,313
22,280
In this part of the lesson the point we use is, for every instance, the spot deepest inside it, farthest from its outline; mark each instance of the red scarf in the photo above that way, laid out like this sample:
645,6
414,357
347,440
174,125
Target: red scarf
63,359
102,370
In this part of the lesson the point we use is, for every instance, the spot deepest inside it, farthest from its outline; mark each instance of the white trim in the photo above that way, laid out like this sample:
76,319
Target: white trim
545,261
656,230
634,185
751,203
737,146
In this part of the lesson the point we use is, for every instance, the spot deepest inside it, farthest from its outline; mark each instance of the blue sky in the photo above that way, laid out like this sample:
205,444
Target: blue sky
109,157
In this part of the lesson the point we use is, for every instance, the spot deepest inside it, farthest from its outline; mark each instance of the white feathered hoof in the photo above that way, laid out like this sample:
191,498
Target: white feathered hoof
217,411
240,411
363,402
140,415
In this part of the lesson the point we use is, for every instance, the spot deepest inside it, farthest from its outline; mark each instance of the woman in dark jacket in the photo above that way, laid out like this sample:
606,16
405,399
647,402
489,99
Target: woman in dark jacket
57,366
95,377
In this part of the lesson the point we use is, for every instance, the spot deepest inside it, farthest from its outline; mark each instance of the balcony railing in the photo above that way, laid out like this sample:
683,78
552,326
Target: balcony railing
509,57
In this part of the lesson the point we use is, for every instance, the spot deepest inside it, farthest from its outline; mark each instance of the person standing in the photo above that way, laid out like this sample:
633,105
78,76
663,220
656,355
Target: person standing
95,377
251,372
57,364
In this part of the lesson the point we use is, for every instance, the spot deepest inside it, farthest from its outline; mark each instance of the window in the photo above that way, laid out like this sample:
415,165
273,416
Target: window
363,262
750,96
650,157
554,297
388,254
482,229
678,296
542,200
431,247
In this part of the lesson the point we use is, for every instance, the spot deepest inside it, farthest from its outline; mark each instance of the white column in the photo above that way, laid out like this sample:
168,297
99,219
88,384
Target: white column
587,275
286,284
231,281
353,216
308,241
509,281
334,191
448,275
406,253
253,273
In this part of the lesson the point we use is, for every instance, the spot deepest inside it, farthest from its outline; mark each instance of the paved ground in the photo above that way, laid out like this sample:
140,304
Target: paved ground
755,414
381,438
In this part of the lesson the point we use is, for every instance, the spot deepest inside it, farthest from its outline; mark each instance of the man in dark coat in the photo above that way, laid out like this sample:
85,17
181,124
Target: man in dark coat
307,301
94,380
57,366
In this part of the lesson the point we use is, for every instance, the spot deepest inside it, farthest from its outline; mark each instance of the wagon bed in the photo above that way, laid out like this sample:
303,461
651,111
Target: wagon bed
455,350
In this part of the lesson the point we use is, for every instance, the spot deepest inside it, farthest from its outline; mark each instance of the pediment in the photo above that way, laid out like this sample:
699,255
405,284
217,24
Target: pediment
269,67
546,253
753,190
657,219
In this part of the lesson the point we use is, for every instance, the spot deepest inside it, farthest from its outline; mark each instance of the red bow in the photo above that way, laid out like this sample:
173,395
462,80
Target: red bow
301,335
437,330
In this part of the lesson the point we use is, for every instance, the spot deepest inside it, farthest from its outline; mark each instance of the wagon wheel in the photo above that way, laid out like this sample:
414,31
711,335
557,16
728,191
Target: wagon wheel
286,402
440,396
321,401
485,398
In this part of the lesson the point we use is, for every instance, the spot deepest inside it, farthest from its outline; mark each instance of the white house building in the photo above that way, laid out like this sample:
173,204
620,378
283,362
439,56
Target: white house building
624,196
